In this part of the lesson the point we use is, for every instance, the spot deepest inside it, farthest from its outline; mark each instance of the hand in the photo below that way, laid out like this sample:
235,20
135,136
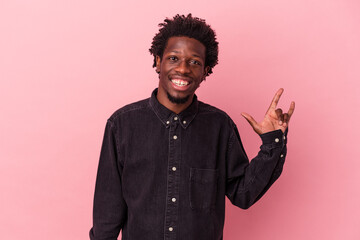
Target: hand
274,118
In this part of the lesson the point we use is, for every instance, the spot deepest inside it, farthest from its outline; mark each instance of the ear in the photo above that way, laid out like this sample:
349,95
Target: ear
206,70
158,62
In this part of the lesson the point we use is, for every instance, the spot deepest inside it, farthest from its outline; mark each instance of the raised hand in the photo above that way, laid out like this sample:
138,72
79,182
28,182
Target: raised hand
274,118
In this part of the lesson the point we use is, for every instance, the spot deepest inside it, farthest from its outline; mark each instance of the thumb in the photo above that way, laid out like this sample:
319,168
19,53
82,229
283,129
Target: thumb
251,120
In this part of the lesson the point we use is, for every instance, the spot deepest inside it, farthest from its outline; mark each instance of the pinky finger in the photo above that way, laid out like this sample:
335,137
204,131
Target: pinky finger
291,109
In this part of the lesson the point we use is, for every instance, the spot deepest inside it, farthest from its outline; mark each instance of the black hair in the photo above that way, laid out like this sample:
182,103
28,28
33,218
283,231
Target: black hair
192,27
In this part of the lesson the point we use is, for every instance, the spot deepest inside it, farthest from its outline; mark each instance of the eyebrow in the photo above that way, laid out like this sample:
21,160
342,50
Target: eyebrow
194,55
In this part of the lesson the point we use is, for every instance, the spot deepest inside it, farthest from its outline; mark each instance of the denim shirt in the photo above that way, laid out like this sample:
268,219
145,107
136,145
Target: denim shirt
163,175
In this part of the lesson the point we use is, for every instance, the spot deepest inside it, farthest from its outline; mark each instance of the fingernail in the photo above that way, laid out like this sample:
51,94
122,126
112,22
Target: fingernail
280,122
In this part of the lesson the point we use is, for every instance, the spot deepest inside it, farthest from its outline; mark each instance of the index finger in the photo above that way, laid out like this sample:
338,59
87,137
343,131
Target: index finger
276,99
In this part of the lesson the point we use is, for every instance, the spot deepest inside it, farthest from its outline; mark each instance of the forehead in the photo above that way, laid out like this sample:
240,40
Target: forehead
185,45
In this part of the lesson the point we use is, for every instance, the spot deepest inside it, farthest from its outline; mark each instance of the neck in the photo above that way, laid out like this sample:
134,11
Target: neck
174,107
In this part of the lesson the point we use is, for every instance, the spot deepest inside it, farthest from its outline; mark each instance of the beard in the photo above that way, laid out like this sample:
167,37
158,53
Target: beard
177,100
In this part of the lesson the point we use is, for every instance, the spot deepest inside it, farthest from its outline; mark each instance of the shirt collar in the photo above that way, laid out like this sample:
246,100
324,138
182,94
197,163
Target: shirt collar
168,117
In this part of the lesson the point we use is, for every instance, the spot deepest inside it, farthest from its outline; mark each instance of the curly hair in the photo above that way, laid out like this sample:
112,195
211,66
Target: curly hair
192,27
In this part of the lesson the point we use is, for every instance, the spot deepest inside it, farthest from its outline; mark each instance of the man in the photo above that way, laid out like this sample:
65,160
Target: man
167,162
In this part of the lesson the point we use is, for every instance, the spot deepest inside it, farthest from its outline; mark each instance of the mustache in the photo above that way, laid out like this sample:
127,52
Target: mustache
180,76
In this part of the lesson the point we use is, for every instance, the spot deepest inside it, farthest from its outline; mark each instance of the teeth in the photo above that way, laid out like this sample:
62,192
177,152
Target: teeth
179,82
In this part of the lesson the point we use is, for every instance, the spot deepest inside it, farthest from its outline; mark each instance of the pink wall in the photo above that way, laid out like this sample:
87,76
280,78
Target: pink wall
65,66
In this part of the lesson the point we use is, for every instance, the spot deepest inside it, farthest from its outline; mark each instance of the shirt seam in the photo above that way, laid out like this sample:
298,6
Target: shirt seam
114,130
123,111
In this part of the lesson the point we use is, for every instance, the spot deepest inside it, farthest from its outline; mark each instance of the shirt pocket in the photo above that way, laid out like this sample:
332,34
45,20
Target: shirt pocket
203,188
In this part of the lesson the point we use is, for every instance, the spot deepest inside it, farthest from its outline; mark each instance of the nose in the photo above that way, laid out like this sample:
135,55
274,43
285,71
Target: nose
183,67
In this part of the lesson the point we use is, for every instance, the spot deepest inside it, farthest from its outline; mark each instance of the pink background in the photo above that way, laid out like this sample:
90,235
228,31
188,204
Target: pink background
65,66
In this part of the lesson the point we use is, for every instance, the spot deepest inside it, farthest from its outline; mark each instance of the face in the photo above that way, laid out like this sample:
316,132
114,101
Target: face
181,69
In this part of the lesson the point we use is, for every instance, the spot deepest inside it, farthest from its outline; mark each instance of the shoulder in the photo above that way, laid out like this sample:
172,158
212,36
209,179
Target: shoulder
207,110
130,108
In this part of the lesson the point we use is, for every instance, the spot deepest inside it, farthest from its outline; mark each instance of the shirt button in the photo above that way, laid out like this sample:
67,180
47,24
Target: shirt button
277,140
284,137
282,155
167,122
173,199
175,137
175,118
171,229
174,169
184,122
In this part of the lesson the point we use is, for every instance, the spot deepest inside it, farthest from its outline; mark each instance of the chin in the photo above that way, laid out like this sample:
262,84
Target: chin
178,99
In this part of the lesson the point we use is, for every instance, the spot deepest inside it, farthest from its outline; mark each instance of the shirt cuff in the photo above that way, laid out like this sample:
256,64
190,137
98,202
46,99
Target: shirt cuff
276,137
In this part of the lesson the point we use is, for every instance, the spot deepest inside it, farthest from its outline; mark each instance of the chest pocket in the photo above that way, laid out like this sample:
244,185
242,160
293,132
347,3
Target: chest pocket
203,188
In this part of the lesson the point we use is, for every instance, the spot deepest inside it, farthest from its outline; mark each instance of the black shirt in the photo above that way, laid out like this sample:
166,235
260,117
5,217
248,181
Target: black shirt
163,175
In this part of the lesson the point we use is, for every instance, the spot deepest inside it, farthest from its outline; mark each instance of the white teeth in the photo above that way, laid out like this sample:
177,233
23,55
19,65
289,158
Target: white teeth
179,82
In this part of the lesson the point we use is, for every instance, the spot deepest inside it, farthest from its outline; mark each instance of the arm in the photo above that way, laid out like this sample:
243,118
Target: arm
278,168
246,183
110,210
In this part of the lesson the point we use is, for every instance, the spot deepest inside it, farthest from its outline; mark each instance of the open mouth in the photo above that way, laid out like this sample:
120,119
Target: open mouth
179,82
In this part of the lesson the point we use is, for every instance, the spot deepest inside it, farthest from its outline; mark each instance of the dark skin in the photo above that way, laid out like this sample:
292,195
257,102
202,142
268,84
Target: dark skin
183,60
274,117
181,70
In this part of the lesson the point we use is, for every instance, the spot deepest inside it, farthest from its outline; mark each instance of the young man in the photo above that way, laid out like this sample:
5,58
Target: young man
167,162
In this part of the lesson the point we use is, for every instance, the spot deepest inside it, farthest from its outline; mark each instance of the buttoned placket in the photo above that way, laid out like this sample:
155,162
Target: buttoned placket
173,178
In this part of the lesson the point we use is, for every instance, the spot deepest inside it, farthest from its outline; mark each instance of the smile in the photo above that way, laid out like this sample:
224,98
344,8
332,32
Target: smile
180,82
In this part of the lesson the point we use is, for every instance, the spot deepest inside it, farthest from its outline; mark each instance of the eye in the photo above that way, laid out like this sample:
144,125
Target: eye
173,58
196,62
